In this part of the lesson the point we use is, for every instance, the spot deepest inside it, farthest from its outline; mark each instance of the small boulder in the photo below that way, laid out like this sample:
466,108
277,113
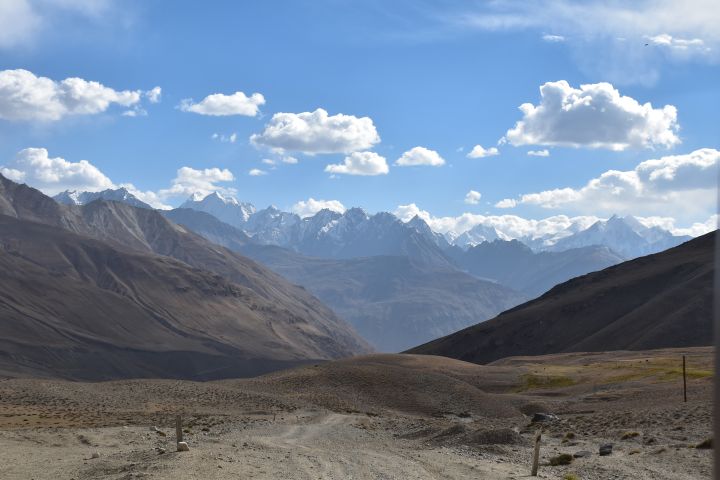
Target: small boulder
160,450
582,454
183,447
705,444
95,455
562,459
606,449
543,417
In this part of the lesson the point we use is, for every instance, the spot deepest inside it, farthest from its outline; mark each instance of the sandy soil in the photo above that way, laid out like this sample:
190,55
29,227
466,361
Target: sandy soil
378,417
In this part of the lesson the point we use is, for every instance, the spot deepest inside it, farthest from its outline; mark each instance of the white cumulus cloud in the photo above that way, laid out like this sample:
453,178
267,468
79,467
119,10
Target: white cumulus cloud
473,197
553,38
360,163
256,172
26,97
420,156
681,184
309,207
154,95
219,104
53,175
593,116
506,203
479,152
189,181
317,132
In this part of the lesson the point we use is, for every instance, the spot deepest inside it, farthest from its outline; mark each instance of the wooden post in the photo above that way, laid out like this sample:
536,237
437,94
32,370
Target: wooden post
684,382
178,428
536,453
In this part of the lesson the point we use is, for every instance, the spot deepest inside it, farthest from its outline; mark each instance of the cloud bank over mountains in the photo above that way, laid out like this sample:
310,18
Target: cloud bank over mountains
673,183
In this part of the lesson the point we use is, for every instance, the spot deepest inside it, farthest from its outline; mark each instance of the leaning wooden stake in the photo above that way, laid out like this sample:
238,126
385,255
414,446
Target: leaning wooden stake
684,382
178,428
536,454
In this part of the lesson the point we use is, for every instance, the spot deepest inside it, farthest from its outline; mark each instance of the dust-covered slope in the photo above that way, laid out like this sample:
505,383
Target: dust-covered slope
657,301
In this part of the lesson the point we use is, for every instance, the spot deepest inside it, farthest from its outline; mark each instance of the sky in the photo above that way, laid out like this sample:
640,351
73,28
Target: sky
507,112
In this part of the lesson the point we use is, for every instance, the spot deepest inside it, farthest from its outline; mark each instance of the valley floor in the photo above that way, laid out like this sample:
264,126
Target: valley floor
375,417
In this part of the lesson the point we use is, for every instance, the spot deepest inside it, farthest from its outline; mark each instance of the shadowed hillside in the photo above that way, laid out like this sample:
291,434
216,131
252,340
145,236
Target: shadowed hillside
657,301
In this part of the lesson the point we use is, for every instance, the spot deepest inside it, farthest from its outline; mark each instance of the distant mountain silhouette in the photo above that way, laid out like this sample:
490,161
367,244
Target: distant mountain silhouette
515,265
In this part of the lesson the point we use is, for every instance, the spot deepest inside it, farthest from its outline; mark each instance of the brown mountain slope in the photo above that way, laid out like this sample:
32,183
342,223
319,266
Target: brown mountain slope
657,301
141,230
76,307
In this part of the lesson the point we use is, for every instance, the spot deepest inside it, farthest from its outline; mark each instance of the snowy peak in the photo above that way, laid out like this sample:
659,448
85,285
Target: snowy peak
624,235
478,234
424,229
225,208
73,197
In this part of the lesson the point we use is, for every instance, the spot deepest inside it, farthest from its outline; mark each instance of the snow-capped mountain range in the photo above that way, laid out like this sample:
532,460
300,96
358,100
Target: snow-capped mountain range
73,197
356,233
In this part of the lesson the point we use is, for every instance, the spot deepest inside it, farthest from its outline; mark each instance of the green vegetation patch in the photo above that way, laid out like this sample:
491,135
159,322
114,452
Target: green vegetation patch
533,382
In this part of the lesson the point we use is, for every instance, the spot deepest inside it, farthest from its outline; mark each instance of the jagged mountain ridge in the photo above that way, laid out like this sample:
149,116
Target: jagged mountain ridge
332,234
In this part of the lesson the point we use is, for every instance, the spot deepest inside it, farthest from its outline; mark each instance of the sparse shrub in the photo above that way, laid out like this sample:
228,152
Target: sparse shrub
705,444
562,459
569,436
570,476
629,435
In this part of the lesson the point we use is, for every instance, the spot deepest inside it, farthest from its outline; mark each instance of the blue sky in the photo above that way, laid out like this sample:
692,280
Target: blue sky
441,75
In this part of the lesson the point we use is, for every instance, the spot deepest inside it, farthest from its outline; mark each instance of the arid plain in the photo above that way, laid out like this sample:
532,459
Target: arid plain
373,417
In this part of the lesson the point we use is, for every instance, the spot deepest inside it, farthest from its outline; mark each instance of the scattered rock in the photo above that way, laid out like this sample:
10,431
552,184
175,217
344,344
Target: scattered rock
95,455
582,454
161,433
543,417
183,447
606,449
160,450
